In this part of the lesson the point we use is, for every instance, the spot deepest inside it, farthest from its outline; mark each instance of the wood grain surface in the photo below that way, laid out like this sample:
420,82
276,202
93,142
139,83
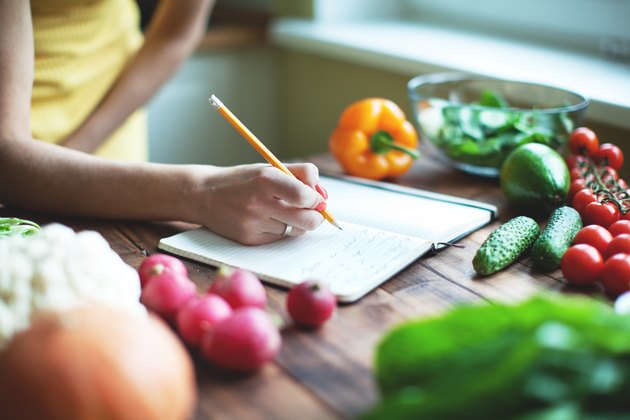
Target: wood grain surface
327,373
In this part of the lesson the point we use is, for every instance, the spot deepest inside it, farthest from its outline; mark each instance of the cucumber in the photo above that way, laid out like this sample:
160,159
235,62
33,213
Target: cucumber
562,226
505,245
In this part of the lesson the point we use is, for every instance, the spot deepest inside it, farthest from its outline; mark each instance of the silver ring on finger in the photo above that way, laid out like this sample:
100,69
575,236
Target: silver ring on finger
287,230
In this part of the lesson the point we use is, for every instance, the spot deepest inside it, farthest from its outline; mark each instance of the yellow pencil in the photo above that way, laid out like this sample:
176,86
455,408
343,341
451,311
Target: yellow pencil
260,147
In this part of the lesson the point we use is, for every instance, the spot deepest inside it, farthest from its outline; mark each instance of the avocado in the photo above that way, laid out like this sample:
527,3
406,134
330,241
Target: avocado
535,179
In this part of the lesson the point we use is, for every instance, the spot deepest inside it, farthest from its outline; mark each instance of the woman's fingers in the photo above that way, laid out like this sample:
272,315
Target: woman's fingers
303,219
270,233
309,175
294,191
253,204
290,189
305,172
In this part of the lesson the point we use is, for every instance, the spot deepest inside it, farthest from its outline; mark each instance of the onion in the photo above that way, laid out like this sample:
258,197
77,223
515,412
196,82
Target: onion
96,363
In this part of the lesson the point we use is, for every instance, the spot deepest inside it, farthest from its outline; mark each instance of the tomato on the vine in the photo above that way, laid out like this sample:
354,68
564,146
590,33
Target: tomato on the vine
610,155
583,141
576,173
620,244
596,191
576,185
619,227
573,161
603,214
594,235
582,264
582,198
609,175
615,274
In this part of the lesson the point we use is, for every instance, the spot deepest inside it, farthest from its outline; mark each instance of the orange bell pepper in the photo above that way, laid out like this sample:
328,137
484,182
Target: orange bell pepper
374,140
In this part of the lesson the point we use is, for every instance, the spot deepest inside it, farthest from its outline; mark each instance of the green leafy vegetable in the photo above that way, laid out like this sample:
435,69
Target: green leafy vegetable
492,98
10,226
482,136
547,358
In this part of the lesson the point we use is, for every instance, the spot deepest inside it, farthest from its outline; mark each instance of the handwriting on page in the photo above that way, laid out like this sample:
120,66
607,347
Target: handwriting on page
348,261
357,254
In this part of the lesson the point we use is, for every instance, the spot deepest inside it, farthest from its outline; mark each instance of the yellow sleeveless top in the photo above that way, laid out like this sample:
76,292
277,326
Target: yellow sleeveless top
81,46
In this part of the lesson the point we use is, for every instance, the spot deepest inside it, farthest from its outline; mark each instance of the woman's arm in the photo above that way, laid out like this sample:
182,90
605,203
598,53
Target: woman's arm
41,176
175,30
251,203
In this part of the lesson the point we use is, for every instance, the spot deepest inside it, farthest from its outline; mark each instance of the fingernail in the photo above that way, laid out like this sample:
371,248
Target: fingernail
321,206
322,191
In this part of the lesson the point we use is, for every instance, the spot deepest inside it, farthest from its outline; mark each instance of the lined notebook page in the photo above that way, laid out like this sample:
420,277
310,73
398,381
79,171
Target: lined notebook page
351,262
437,221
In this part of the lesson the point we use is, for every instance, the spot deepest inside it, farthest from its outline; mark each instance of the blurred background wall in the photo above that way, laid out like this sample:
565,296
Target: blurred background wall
234,62
290,99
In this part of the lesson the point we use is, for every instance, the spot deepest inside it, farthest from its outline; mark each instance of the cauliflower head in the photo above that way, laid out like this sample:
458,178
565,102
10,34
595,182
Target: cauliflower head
58,270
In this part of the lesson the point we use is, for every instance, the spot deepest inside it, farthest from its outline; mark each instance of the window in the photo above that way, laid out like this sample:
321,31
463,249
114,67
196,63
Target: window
594,26
591,26
579,45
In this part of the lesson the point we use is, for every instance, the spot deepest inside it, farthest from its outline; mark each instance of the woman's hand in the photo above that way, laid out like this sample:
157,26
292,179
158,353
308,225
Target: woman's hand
253,204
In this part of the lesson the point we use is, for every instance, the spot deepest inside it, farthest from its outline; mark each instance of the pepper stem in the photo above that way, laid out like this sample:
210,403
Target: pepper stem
382,142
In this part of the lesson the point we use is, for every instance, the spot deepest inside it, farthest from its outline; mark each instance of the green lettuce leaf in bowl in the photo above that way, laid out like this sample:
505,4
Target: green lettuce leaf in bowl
473,123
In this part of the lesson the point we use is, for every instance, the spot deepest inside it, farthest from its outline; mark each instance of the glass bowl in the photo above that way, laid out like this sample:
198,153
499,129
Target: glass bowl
475,122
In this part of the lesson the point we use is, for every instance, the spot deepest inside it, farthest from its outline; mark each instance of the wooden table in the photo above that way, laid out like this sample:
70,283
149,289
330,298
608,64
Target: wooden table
327,373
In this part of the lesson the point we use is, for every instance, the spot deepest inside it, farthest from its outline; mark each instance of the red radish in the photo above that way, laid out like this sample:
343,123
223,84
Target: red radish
166,293
158,263
243,342
311,303
200,314
239,288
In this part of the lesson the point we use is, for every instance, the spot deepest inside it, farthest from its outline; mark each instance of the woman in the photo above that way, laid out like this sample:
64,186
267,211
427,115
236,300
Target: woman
73,75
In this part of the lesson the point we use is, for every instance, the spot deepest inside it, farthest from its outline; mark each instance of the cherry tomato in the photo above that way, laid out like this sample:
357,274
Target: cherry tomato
573,161
623,185
615,274
609,174
610,155
583,141
582,264
625,216
595,236
619,227
576,185
620,244
603,214
582,198
576,173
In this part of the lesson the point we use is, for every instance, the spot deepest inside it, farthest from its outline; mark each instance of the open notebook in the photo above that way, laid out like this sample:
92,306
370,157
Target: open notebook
385,228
